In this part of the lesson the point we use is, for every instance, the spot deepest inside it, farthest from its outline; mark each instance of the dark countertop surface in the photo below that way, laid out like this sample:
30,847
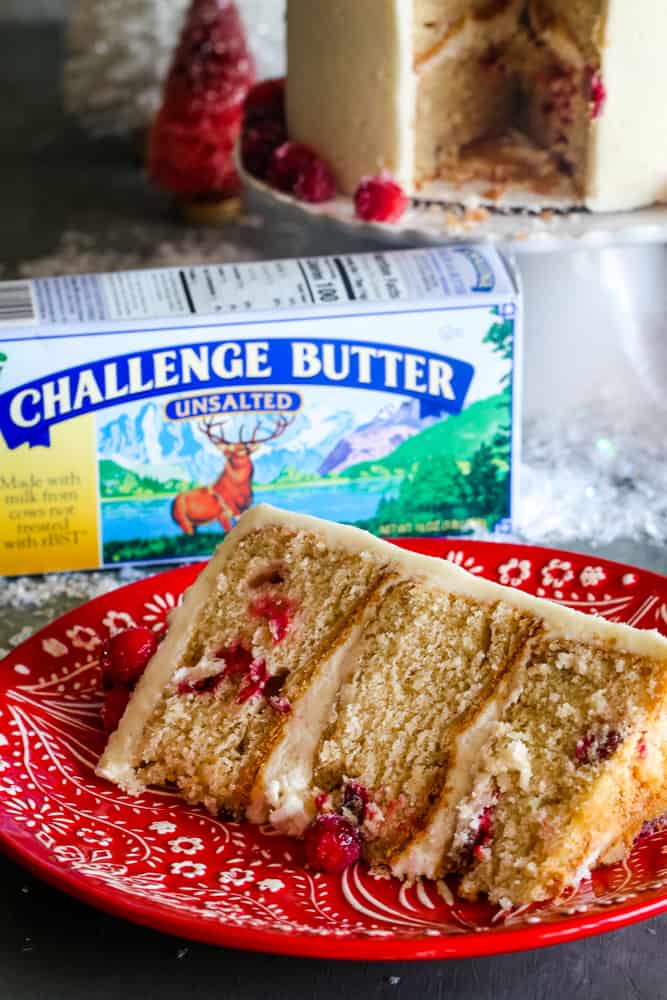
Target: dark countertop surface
53,180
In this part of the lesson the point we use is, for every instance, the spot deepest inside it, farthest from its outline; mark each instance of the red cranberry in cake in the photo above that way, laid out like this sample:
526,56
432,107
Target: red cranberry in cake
266,100
484,833
115,703
380,199
125,655
191,143
355,799
203,685
323,803
298,170
597,746
237,659
598,96
332,843
254,682
277,610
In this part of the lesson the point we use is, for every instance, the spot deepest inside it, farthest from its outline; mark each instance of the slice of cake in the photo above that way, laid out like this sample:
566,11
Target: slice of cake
447,723
549,100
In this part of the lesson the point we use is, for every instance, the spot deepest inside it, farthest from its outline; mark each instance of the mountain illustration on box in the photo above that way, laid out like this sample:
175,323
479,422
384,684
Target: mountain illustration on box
146,455
377,438
147,440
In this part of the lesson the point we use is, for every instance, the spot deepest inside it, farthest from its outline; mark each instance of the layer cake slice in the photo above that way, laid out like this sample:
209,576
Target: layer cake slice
461,726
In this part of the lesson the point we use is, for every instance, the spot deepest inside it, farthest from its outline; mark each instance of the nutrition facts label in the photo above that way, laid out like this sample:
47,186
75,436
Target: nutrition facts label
267,286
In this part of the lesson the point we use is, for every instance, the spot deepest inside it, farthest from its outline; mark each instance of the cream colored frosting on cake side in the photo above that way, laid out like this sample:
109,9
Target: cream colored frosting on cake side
628,159
350,91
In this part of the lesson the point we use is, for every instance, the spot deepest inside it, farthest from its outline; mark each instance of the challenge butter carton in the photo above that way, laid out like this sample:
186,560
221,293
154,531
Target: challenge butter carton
141,413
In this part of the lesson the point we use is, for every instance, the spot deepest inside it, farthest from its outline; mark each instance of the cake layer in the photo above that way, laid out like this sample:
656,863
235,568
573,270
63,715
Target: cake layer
463,89
382,710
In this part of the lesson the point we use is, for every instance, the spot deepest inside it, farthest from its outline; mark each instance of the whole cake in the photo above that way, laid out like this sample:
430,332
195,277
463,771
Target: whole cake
334,685
558,101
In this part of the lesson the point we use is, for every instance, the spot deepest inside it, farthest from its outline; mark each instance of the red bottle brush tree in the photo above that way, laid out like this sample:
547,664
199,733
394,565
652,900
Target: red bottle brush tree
192,139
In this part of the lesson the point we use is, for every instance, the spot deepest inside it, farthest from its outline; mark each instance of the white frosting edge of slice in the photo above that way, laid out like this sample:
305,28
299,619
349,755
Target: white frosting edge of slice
563,622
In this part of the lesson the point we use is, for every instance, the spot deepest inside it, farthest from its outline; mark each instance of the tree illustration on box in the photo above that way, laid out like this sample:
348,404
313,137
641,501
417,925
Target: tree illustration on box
453,487
231,493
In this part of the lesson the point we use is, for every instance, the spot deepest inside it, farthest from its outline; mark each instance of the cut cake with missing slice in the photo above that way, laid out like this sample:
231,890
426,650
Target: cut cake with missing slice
464,726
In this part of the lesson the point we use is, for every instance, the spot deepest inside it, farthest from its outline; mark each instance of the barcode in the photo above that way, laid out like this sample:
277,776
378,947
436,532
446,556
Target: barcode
16,303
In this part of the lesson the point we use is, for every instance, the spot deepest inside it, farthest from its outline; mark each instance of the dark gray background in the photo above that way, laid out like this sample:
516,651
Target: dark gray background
52,178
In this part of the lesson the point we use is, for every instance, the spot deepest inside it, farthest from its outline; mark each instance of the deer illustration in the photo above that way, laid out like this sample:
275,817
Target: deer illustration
231,493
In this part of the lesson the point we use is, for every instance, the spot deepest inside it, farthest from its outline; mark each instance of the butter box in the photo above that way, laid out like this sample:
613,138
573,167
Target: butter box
142,412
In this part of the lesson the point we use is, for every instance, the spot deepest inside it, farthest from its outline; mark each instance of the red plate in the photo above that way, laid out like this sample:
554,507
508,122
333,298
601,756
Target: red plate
156,861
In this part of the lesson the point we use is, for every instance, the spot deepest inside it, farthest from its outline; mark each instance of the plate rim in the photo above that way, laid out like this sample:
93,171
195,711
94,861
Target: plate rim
19,847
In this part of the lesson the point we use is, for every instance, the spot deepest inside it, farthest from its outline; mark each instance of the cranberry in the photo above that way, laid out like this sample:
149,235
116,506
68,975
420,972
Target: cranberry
598,96
237,659
254,683
316,183
355,799
125,655
597,746
484,832
332,843
281,705
642,749
277,610
297,169
380,199
202,685
323,802
265,100
115,703
258,145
